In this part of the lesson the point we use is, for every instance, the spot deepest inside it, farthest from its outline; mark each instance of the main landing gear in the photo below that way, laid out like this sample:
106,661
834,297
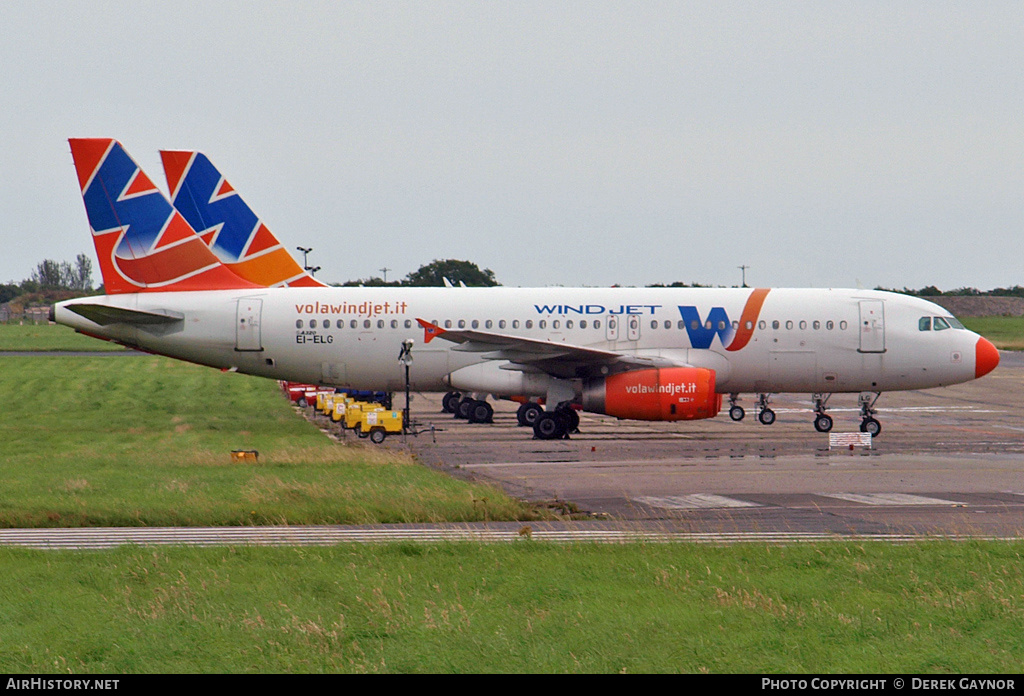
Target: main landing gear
527,414
557,424
468,408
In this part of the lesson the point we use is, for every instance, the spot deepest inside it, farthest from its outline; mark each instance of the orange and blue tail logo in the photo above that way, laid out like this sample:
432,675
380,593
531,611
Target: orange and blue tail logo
227,224
143,244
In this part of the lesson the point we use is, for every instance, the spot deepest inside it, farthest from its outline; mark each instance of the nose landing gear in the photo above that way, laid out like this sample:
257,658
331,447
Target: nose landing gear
822,421
868,423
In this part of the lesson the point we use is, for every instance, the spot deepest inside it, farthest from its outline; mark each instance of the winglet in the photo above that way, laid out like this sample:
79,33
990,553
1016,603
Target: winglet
430,331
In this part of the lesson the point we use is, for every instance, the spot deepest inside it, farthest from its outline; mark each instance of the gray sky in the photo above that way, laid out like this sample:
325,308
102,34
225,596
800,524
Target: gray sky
591,143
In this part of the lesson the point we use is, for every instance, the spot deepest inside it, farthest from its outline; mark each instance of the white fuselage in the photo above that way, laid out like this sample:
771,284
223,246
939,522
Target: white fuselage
799,340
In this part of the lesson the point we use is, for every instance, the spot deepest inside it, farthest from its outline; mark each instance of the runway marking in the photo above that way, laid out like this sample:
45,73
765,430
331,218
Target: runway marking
703,501
882,499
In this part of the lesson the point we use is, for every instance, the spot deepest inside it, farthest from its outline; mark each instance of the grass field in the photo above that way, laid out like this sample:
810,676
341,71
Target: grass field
839,608
48,337
1006,333
143,440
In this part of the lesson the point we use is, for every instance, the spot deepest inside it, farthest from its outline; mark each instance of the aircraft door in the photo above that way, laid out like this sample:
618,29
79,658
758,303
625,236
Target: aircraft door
247,325
872,326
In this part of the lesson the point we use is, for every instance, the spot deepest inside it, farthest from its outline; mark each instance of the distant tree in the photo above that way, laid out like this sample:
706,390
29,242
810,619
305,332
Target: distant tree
456,272
8,292
371,282
54,275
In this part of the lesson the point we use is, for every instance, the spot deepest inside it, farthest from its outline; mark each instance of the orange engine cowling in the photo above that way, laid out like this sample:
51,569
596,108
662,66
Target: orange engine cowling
667,394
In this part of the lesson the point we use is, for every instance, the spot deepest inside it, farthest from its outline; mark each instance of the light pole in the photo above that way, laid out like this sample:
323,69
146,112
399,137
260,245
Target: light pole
305,252
744,269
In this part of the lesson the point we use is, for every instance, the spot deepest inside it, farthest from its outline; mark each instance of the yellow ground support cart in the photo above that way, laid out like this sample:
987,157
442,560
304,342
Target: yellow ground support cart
354,413
379,423
341,403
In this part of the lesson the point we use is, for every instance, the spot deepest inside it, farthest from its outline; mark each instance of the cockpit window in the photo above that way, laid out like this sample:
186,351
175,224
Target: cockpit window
924,324
955,323
940,324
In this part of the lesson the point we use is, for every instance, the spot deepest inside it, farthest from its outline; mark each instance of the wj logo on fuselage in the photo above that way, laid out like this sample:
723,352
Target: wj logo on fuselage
700,330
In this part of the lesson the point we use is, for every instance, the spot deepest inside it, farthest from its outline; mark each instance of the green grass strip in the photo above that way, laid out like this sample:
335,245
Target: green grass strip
928,608
147,441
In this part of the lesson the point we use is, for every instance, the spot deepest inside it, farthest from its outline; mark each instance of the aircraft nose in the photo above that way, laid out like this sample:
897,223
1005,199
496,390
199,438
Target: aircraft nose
986,357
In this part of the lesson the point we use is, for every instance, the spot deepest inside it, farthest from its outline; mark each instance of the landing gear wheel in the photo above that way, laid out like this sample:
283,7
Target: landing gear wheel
481,412
572,420
871,426
450,402
463,406
527,414
549,426
737,413
823,423
766,416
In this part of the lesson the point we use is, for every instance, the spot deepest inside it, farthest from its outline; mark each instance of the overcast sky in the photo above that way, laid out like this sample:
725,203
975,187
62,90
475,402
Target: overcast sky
587,143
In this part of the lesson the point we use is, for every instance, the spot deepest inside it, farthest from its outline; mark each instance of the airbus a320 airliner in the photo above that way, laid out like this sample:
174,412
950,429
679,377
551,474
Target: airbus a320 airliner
664,354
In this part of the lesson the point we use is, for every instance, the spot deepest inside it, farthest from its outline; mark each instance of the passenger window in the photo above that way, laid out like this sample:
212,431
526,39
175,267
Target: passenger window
312,323
842,326
380,323
408,323
707,325
462,323
789,324
681,325
829,325
940,324
488,324
340,324
366,324
583,323
761,324
668,324
475,324
568,323
529,323
816,325
447,323
924,324
501,323
775,324
654,323
721,325
803,325
515,323
597,323
543,324
298,324
353,324
394,323
554,324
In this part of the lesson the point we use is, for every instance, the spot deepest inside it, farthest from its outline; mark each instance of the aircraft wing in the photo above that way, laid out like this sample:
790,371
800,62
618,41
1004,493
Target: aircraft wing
563,360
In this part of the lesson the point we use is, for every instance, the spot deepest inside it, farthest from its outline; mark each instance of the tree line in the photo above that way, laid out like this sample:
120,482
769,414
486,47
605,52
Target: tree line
49,277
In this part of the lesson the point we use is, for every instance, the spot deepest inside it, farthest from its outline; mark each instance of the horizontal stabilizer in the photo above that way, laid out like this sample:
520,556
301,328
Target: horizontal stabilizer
105,314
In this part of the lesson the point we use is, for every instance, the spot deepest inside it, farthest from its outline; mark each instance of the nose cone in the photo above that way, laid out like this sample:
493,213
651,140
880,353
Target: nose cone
986,357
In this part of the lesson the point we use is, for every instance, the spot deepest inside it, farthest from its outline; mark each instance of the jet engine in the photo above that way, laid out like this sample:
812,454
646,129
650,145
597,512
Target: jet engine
665,394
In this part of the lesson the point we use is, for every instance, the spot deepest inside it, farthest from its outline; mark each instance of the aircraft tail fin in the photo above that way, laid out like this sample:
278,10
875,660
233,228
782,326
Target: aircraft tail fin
143,243
227,224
